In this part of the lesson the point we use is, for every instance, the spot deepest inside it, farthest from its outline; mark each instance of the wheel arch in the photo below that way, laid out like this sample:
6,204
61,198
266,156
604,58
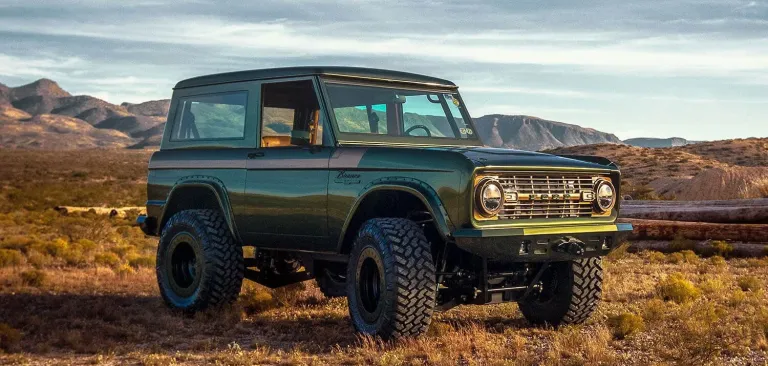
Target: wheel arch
198,192
415,190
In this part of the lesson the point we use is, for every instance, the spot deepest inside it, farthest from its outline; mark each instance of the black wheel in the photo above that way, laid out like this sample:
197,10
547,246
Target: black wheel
331,284
391,285
569,293
198,262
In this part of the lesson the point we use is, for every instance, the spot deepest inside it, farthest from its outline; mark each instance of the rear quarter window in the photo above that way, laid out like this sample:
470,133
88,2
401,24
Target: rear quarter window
211,117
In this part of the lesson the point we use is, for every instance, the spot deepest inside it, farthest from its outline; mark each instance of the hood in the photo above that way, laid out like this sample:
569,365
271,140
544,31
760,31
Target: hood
489,156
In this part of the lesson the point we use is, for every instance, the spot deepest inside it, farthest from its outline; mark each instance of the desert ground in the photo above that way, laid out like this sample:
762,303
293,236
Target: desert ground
80,289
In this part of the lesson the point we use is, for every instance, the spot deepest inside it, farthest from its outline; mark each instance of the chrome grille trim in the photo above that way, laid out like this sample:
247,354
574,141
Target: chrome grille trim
563,192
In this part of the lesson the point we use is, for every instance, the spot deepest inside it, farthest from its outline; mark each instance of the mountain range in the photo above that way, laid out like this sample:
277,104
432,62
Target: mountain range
43,115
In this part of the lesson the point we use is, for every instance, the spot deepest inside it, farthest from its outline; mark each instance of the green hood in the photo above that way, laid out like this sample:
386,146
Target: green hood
489,156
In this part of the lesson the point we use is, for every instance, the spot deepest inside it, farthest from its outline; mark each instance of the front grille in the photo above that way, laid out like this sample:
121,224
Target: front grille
547,195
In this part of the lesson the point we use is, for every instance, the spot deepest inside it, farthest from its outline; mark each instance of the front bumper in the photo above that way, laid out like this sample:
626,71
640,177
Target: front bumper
542,244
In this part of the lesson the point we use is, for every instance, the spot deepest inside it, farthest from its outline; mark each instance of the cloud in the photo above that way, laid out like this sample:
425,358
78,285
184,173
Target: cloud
40,66
670,66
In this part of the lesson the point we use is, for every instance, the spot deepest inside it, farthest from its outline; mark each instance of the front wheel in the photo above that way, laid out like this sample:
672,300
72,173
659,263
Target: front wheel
199,264
391,286
569,293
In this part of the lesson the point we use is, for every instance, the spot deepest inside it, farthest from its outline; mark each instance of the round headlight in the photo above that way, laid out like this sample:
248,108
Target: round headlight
605,195
490,197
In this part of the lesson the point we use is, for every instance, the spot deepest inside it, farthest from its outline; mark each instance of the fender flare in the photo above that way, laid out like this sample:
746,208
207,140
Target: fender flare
419,189
215,186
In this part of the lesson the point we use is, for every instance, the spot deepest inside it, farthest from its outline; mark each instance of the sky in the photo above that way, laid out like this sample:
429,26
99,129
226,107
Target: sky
636,68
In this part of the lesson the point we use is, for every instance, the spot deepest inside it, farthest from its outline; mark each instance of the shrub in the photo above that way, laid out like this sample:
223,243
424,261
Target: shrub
85,245
749,283
124,270
690,256
9,337
256,299
685,256
9,257
145,261
74,257
655,309
675,258
122,250
680,243
37,259
722,248
678,289
107,259
18,242
625,325
33,277
54,248
717,261
656,257
737,297
713,286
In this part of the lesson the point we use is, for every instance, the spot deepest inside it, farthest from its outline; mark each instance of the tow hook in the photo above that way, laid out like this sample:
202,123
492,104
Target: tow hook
569,245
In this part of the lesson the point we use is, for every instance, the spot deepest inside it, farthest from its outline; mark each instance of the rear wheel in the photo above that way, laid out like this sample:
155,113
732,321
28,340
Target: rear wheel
569,293
391,285
198,262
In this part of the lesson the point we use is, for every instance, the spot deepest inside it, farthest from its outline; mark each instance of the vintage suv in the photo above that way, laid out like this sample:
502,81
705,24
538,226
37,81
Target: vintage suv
376,184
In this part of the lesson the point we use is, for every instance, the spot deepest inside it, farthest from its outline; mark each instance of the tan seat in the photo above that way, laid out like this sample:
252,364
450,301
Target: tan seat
274,141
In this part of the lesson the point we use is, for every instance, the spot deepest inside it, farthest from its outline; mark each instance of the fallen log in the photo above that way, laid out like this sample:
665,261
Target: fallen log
668,230
703,247
723,211
121,212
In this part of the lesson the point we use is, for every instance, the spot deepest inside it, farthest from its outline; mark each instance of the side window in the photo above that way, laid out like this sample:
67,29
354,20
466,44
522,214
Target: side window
211,117
290,115
362,119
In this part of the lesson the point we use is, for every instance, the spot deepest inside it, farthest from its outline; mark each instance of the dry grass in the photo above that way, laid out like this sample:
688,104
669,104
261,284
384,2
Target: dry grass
79,315
81,289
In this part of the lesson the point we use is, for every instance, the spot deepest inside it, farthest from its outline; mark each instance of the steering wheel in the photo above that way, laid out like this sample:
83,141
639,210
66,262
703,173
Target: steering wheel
408,131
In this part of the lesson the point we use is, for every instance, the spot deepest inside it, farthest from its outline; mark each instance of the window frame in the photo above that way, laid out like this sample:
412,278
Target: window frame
251,113
351,138
328,135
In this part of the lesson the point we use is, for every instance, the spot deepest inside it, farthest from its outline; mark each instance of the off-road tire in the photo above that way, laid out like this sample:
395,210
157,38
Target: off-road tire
329,286
400,251
575,298
217,262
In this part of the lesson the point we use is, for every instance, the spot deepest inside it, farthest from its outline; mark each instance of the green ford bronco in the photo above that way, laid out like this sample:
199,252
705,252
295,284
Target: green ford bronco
376,185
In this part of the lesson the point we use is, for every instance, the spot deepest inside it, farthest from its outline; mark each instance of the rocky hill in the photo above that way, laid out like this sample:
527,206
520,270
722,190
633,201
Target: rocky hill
532,133
725,169
43,115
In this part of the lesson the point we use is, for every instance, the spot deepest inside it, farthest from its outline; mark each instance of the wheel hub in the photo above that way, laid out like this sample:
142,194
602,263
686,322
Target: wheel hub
183,264
369,285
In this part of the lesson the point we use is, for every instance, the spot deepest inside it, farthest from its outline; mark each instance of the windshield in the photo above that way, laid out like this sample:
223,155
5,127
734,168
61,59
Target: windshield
377,111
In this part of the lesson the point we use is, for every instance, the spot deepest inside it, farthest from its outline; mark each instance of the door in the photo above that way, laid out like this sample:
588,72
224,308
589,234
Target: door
286,193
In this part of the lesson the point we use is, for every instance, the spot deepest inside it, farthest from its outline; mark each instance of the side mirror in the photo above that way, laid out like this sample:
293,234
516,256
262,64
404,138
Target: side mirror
300,138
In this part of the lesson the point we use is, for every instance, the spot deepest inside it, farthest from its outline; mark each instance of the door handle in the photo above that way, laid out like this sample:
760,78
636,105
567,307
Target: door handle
256,154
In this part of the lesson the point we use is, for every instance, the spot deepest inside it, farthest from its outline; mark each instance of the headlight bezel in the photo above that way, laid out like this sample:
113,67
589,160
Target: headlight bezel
598,206
480,201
